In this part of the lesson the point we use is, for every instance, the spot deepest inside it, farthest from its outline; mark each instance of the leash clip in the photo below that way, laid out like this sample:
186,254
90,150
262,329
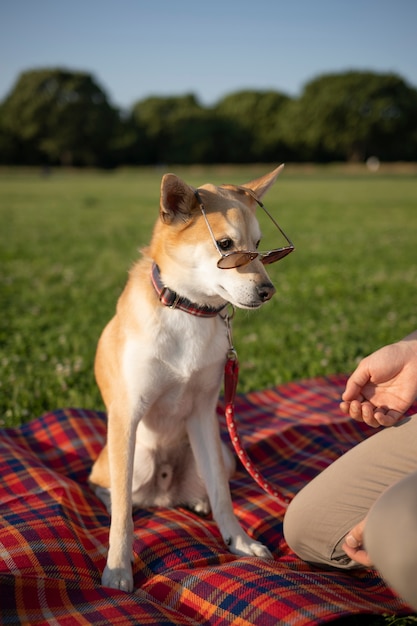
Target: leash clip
231,354
227,318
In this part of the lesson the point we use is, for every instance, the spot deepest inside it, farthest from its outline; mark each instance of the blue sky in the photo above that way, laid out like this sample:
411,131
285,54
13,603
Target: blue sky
137,48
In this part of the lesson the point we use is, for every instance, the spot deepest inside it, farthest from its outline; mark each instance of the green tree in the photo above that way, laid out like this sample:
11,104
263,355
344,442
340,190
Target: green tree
9,147
354,115
62,115
261,118
179,130
130,144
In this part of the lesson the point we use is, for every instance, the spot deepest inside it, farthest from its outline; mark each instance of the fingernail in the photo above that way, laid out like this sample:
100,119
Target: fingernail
351,541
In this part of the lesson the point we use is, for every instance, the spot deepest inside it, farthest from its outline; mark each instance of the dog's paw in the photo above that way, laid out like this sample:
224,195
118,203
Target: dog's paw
118,578
201,507
244,545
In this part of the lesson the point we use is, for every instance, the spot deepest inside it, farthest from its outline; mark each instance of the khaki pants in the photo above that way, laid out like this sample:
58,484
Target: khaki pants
377,477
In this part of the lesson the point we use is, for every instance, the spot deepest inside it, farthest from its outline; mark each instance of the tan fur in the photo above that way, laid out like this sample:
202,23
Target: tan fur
159,370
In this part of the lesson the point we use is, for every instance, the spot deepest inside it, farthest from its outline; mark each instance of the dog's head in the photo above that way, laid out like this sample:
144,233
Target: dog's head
196,229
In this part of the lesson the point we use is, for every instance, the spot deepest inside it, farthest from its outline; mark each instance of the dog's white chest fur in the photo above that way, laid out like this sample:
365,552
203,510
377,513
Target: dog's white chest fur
183,361
183,370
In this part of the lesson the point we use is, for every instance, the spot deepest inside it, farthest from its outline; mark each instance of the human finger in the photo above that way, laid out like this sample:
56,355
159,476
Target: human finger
368,414
355,383
353,545
363,412
386,417
344,407
358,554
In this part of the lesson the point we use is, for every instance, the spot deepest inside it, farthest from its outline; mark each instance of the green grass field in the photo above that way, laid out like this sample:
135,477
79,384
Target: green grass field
68,239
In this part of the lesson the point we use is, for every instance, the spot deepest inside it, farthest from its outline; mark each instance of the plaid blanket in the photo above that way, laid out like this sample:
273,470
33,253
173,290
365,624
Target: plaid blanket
54,530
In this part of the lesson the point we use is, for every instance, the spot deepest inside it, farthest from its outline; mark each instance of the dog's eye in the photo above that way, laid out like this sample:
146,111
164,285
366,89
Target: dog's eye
225,244
257,244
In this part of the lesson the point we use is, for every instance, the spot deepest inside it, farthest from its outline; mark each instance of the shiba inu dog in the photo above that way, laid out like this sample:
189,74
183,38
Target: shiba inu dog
160,360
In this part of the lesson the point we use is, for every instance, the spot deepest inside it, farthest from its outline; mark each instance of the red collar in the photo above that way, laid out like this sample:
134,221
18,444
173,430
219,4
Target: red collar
174,301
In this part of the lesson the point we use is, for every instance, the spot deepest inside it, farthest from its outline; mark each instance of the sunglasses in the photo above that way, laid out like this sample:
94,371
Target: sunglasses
239,258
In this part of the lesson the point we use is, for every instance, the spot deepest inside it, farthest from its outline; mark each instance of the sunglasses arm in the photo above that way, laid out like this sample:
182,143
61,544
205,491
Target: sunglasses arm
203,211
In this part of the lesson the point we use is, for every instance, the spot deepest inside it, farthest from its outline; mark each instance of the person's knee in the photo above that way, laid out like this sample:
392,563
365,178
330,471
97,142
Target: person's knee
304,531
315,531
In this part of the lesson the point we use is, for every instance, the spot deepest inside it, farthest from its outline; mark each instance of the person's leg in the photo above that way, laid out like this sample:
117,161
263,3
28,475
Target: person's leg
328,507
390,537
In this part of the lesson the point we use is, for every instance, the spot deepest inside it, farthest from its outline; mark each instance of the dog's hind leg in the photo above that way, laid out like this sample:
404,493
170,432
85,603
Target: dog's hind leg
191,488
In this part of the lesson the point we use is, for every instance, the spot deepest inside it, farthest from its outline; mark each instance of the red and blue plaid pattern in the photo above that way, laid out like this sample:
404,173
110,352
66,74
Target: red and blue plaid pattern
54,530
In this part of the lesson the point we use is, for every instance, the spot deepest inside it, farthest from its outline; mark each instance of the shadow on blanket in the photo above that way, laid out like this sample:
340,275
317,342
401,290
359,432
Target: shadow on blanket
54,531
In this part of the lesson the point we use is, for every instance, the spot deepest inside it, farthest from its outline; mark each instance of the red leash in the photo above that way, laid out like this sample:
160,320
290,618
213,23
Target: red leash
231,374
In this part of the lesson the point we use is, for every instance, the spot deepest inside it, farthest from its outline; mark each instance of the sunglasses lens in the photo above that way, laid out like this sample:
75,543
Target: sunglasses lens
276,255
236,259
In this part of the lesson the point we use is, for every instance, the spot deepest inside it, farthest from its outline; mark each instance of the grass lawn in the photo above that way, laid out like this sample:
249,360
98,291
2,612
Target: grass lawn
68,239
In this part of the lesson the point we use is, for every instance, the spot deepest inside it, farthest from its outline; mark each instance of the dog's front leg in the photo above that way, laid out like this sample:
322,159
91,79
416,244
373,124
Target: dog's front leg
121,447
204,436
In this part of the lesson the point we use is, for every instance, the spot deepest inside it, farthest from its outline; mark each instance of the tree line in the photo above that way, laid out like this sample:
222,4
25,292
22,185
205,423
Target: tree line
57,116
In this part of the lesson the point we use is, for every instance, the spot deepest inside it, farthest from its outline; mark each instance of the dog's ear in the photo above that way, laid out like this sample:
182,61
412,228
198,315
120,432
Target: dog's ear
261,185
177,199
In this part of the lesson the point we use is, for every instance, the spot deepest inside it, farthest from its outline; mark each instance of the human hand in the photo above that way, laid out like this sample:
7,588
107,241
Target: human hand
384,385
353,545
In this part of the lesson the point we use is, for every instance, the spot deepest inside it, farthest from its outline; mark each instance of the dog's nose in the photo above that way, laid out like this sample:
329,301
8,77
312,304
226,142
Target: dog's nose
266,291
